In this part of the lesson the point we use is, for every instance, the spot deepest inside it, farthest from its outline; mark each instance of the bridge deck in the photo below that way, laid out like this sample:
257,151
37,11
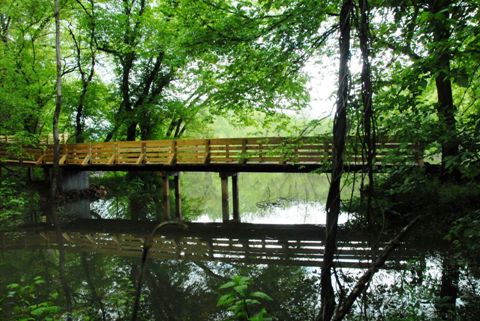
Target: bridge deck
300,245
269,154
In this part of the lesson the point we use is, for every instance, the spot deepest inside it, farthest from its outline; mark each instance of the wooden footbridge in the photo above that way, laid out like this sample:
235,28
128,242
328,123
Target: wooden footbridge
300,245
267,154
227,156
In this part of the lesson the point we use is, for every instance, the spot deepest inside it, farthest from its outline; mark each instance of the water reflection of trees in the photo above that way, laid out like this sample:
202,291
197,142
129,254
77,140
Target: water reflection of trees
137,195
103,287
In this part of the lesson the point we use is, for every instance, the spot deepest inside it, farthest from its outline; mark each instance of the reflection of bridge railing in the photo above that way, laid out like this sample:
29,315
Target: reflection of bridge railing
300,245
205,154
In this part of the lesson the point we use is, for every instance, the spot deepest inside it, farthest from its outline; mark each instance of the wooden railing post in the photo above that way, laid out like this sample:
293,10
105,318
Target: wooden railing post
173,153
284,152
295,152
144,151
419,151
243,155
64,157
115,155
260,152
41,159
207,157
87,159
143,154
89,153
327,151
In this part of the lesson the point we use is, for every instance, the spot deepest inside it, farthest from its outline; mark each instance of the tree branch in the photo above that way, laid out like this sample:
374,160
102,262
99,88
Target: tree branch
361,284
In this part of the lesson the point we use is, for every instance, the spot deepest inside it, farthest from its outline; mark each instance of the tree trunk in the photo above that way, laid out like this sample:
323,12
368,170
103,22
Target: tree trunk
327,295
80,116
445,108
128,111
58,105
362,283
86,78
131,129
96,300
368,149
56,169
448,288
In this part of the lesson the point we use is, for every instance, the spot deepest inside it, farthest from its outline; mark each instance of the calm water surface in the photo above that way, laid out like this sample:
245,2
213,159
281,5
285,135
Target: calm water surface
183,275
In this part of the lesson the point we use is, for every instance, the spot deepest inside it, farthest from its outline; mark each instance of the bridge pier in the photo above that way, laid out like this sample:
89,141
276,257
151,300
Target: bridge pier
178,200
73,182
166,195
225,197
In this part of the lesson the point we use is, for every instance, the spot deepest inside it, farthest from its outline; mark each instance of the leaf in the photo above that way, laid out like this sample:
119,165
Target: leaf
227,285
261,295
13,286
241,289
225,299
38,280
44,309
251,302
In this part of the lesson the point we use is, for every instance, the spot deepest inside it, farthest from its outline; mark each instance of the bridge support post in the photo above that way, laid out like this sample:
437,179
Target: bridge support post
236,203
166,195
74,182
225,197
178,200
225,207
30,174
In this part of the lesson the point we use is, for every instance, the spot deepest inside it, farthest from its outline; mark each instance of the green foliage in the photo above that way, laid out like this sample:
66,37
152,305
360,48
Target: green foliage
24,303
241,302
17,200
464,235
27,63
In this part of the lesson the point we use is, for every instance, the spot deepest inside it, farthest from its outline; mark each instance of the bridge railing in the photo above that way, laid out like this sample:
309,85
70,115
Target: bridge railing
44,140
266,150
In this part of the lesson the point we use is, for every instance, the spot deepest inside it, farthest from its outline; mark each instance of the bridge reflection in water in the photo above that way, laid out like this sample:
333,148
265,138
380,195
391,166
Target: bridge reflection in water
297,245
